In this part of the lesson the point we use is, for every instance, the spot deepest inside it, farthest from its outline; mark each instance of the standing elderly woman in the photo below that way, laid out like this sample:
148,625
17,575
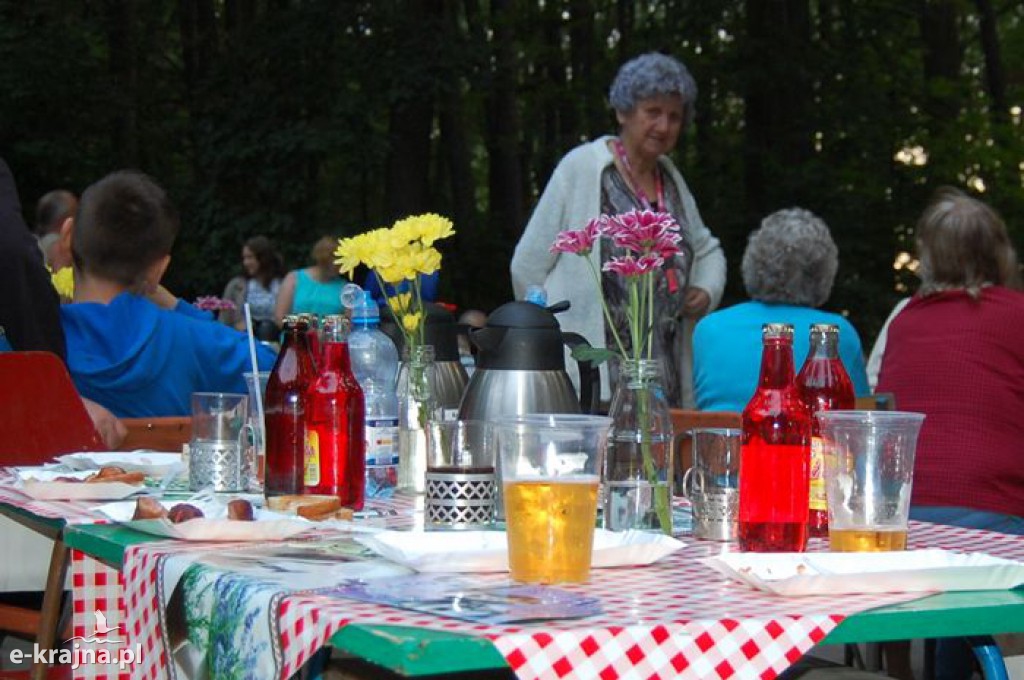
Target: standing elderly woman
259,285
653,96
788,269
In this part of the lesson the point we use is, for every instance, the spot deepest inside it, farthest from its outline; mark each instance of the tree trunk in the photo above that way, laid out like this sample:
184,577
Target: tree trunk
504,174
407,172
778,100
943,54
995,76
124,64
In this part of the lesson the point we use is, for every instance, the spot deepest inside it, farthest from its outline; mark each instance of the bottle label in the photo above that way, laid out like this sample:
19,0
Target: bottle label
818,499
312,474
381,441
449,415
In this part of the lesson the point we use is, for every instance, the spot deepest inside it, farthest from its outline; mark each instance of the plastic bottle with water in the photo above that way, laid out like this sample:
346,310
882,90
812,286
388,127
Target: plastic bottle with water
375,364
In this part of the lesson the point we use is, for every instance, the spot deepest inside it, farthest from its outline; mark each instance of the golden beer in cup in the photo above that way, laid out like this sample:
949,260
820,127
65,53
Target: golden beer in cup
869,472
550,467
553,533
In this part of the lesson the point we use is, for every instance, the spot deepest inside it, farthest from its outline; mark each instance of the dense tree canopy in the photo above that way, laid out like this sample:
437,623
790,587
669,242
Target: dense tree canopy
297,118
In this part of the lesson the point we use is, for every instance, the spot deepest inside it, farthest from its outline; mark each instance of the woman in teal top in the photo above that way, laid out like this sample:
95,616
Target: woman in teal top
315,289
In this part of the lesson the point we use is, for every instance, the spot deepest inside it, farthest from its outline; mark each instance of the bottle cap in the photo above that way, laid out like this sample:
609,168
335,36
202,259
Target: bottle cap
777,330
536,294
826,328
366,309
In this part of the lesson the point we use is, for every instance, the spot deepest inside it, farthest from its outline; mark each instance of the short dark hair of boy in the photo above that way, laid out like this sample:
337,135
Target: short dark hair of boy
125,223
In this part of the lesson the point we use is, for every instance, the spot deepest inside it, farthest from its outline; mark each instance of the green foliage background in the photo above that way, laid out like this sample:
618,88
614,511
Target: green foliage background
298,118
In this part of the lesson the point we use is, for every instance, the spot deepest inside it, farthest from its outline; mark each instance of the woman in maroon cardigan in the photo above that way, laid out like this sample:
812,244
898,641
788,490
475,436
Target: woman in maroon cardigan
955,353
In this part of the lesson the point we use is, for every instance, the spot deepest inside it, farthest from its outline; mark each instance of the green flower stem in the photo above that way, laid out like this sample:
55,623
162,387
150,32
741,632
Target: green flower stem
604,306
409,341
661,501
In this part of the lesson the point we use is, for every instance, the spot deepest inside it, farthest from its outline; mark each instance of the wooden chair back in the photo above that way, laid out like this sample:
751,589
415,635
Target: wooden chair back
41,413
159,434
882,401
683,421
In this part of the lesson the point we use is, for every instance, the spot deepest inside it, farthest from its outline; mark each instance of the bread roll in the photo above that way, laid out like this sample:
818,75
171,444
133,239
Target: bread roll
240,509
148,507
311,506
183,512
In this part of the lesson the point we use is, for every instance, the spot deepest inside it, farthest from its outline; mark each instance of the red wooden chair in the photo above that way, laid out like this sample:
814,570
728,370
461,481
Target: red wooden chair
41,416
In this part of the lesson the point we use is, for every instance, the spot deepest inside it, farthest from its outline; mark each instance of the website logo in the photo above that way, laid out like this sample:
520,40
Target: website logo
73,654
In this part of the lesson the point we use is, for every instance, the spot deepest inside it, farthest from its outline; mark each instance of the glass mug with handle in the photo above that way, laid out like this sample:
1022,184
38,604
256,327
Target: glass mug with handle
221,432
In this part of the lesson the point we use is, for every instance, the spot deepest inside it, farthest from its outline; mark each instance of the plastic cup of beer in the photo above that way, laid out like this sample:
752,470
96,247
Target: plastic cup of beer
550,469
869,472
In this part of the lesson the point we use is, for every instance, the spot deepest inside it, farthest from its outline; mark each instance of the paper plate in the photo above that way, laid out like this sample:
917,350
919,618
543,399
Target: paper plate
214,526
487,551
150,463
44,485
869,572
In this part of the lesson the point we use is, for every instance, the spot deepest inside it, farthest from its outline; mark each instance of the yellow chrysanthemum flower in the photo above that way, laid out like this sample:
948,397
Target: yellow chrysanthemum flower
396,255
64,282
411,322
400,302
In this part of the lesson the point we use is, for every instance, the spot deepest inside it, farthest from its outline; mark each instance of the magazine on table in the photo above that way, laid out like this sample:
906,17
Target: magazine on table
470,599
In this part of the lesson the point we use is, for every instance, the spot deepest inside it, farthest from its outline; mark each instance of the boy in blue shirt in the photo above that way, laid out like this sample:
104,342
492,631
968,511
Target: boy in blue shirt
131,345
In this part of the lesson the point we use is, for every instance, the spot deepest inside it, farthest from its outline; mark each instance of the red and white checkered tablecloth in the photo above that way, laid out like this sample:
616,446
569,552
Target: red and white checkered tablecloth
676,618
95,587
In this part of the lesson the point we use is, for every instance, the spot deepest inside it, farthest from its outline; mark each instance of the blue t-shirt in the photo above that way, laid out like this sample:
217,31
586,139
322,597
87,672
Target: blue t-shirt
727,351
138,359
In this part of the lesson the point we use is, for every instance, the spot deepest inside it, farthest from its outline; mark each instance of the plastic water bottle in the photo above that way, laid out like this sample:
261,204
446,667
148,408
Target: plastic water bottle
375,365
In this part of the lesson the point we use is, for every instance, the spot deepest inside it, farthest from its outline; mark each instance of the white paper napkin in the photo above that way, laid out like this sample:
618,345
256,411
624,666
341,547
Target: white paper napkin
869,572
487,551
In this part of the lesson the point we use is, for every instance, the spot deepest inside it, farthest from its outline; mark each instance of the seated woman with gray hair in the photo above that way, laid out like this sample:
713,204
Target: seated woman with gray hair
653,96
788,269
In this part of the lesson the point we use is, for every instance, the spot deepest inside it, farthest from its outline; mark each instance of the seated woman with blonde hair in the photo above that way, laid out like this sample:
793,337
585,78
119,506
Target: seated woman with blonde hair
315,289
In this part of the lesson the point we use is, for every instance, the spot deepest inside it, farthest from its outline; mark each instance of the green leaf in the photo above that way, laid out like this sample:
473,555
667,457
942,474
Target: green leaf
595,355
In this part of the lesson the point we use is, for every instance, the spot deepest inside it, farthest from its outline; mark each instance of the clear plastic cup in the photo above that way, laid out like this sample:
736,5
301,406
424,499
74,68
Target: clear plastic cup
869,474
551,467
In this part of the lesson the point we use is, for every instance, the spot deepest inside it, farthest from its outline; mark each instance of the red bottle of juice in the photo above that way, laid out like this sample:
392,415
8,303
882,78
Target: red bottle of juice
775,453
285,410
336,444
824,385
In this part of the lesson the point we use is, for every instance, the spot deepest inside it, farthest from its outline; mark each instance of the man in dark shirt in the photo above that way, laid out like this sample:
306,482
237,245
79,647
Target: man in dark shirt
29,306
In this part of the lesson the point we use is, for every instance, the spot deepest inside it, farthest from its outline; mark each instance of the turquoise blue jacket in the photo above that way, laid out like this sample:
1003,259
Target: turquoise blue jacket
727,351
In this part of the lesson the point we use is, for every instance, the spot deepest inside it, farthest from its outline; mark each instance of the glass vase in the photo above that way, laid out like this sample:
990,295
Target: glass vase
417,406
638,467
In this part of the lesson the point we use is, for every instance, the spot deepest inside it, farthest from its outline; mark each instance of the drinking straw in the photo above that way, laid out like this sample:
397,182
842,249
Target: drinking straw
255,365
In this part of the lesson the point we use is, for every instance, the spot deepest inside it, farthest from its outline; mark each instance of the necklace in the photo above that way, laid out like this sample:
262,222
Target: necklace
641,195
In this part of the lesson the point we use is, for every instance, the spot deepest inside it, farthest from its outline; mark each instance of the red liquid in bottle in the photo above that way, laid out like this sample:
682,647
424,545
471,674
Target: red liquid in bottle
775,454
824,385
336,462
285,412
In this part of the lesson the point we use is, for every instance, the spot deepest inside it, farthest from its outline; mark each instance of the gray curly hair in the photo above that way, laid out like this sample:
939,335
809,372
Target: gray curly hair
649,75
790,259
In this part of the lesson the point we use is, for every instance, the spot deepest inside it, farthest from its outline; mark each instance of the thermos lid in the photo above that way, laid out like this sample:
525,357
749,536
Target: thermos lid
520,314
520,336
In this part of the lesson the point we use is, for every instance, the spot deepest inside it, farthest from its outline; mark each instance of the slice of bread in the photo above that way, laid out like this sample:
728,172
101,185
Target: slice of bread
311,506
